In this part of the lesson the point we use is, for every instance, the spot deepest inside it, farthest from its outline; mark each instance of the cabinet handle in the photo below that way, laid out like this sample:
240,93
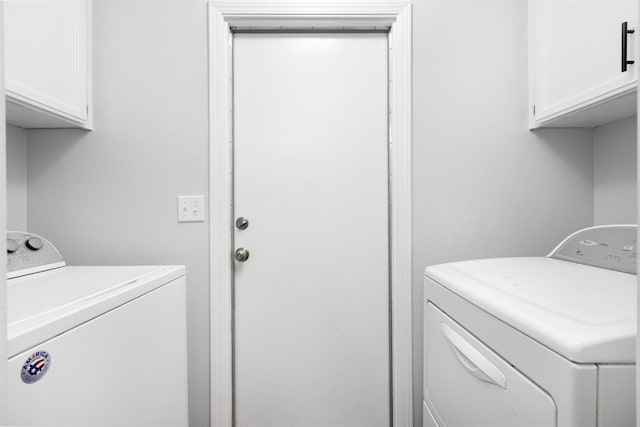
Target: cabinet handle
625,32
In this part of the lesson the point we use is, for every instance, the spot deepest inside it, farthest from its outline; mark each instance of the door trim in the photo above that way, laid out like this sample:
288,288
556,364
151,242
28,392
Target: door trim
223,17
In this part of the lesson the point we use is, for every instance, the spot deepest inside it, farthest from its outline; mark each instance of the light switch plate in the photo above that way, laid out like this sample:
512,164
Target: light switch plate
191,208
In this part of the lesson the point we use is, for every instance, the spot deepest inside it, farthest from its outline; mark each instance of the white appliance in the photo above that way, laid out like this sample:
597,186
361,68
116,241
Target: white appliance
93,346
538,341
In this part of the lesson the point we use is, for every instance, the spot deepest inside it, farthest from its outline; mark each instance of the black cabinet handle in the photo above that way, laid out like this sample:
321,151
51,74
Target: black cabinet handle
625,32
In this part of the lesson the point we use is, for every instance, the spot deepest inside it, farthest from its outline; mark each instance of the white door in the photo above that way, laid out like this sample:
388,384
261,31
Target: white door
311,177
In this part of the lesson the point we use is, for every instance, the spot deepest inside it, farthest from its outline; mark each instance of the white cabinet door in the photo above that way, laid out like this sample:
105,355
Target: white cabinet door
576,60
46,44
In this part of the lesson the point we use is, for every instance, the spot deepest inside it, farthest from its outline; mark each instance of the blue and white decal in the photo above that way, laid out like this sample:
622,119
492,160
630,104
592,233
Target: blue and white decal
35,367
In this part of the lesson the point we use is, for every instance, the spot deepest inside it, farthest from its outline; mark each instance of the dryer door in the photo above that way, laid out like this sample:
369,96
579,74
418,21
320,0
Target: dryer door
467,384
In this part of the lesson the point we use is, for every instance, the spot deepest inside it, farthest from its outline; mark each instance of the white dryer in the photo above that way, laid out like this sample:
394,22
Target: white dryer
534,341
93,346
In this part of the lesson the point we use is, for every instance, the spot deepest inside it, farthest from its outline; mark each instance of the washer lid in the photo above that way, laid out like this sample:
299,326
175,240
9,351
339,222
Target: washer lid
43,305
587,314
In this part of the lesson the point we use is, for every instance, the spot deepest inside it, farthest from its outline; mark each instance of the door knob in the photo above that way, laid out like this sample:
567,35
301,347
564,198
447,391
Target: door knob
241,255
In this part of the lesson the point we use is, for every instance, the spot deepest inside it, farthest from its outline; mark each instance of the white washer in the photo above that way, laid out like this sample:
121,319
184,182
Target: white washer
537,341
94,346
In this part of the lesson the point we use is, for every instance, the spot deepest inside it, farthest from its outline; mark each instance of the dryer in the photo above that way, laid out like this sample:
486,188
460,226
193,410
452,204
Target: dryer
534,341
93,346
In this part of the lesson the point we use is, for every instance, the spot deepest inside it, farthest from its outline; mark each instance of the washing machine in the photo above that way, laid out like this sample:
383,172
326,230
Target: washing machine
534,341
93,346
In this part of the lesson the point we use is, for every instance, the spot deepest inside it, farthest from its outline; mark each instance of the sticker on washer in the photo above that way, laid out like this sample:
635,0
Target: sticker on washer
35,367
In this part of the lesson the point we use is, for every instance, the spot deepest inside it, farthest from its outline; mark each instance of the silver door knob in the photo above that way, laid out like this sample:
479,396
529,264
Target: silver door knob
241,255
242,223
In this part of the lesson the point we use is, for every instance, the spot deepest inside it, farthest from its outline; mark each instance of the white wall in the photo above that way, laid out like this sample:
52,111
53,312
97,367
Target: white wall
3,244
109,196
615,166
485,186
638,299
16,178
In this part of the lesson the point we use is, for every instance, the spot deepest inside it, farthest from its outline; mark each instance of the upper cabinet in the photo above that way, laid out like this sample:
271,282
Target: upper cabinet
47,63
583,61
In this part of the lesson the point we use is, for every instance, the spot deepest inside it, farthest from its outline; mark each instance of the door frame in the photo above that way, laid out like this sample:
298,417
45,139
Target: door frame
223,17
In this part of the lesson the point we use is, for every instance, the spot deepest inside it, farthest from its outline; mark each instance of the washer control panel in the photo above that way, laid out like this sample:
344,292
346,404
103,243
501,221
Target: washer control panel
29,253
614,247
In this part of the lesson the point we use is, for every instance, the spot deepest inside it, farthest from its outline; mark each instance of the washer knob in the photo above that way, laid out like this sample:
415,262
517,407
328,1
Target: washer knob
12,246
33,243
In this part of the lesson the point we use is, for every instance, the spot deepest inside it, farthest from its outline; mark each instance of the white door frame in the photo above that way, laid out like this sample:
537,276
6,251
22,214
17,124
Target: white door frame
223,17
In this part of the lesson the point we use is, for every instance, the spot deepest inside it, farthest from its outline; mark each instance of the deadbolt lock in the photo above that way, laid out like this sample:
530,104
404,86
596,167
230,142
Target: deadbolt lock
242,223
241,255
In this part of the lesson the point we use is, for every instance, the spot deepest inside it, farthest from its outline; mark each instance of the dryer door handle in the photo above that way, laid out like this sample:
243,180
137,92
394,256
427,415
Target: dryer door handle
472,360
